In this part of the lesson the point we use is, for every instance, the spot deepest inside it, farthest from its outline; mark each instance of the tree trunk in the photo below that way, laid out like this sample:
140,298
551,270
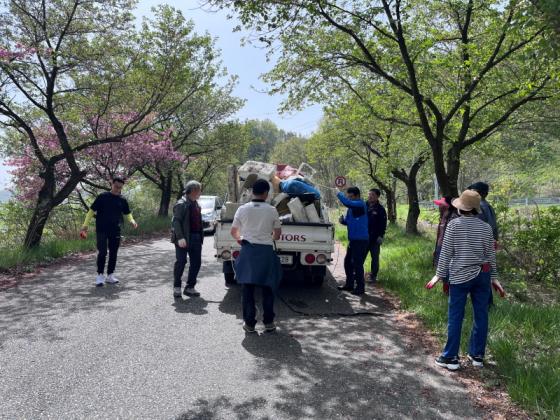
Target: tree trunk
410,180
165,200
453,167
47,200
391,206
413,206
43,209
447,186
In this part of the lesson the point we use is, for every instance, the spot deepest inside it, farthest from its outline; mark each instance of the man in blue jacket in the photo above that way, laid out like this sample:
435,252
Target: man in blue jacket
356,220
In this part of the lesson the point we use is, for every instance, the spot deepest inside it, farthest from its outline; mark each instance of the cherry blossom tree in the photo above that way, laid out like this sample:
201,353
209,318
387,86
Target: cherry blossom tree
65,64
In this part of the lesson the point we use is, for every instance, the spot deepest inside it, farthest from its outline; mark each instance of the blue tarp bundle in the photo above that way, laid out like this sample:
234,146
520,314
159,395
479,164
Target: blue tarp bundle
298,187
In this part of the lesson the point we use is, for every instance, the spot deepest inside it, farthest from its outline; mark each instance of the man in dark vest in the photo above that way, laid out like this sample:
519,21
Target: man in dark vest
377,225
187,235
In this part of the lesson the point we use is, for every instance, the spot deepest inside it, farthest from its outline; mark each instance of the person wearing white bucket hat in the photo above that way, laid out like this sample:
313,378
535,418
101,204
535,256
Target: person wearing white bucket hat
469,259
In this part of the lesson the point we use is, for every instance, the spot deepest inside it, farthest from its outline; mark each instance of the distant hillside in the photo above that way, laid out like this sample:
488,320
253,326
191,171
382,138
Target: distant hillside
5,196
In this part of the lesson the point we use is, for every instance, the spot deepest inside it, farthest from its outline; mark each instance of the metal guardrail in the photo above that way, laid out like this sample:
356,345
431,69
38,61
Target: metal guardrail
539,201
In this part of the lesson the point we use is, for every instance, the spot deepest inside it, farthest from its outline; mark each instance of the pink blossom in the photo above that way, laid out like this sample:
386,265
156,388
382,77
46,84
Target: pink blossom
101,162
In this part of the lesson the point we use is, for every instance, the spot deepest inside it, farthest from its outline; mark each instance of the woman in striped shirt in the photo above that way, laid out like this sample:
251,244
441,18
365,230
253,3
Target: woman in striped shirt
468,258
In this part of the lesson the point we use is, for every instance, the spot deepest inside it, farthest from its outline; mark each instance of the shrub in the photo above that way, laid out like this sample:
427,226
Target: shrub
532,243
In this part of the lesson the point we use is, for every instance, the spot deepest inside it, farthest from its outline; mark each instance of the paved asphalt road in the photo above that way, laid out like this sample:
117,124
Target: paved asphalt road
69,350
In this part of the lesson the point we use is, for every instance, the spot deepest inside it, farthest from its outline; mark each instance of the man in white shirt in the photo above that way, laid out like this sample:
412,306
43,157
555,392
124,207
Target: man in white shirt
256,225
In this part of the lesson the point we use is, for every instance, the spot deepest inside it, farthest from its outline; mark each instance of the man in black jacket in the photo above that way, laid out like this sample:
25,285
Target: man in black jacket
377,224
187,235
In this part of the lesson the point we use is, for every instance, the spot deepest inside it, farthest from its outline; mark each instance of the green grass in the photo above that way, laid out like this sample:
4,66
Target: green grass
524,339
17,258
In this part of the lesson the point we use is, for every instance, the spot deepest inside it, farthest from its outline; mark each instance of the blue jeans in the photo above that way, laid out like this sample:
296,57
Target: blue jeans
248,302
479,289
194,251
354,264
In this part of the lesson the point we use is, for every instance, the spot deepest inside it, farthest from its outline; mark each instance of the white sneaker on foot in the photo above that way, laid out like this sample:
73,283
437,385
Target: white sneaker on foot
100,280
111,279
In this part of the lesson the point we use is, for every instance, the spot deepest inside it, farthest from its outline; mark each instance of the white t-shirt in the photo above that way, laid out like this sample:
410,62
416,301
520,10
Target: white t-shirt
256,220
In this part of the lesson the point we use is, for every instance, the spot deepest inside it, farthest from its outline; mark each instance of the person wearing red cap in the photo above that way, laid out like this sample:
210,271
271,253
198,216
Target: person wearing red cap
446,214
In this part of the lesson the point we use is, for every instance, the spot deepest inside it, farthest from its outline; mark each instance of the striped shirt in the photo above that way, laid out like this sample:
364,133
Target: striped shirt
468,243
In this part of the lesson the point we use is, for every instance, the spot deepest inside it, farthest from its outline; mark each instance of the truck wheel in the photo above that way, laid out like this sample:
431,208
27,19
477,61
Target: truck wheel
230,279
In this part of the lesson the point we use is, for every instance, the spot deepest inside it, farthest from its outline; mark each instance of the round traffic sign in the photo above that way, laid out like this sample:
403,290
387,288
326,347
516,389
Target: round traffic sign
340,181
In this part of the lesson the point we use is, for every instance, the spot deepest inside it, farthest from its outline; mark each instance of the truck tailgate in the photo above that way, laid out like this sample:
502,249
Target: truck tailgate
296,237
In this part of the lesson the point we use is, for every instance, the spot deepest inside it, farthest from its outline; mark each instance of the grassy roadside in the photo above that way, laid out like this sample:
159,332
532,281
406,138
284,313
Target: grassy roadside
524,340
17,259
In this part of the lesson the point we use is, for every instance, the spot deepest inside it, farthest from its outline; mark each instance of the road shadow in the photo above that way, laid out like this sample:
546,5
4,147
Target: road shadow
212,410
26,310
278,345
193,306
350,368
295,299
326,362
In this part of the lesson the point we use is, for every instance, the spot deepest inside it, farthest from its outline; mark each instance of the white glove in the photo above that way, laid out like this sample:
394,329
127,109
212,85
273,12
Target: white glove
182,243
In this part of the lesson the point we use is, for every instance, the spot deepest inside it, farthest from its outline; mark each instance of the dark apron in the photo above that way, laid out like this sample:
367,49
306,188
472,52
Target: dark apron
259,265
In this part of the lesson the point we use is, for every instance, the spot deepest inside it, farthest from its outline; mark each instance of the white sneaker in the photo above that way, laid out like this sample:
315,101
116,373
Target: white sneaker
111,279
100,280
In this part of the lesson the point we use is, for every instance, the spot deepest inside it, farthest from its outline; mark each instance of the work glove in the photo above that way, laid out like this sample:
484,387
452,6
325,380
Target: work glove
379,240
182,243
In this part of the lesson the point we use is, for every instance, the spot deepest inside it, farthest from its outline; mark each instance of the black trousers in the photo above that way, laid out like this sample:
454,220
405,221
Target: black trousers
112,241
248,303
354,264
374,249
194,251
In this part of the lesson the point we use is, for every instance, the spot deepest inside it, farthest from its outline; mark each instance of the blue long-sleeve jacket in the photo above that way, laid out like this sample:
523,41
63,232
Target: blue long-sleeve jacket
356,218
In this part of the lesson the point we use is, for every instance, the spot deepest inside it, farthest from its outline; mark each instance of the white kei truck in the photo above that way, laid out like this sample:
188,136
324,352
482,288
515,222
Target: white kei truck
305,249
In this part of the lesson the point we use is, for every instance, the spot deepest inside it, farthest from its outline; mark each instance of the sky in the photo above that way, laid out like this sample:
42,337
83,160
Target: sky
247,62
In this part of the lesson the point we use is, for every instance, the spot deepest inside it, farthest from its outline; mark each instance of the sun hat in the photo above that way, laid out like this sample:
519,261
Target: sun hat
468,200
441,202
